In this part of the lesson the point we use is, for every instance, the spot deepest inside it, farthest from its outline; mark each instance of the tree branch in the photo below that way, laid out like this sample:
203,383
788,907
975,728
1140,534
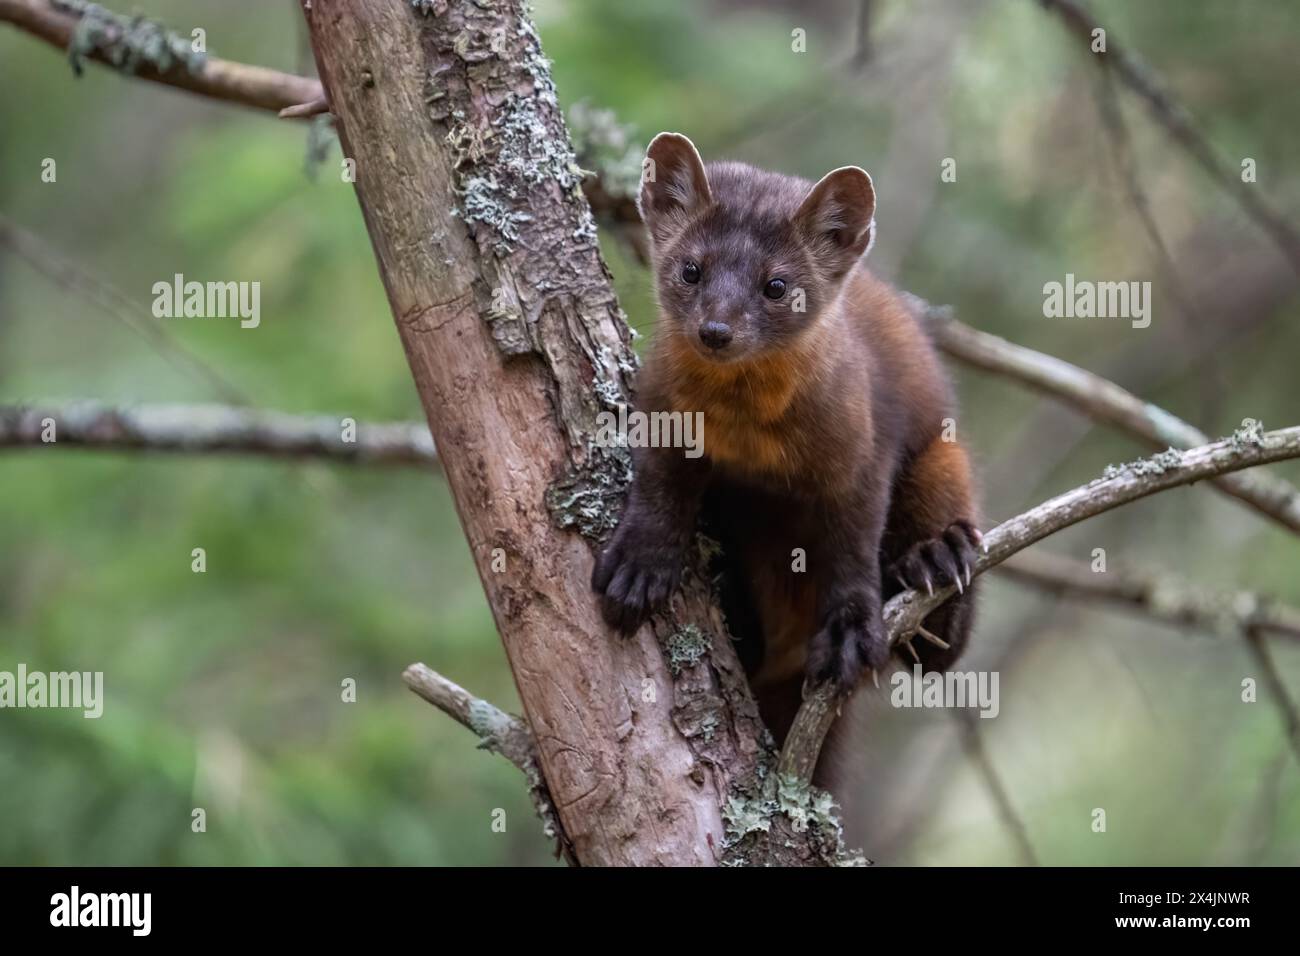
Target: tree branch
610,190
1159,596
1178,122
972,741
107,38
103,295
1275,687
499,732
215,428
1162,598
905,612
1103,401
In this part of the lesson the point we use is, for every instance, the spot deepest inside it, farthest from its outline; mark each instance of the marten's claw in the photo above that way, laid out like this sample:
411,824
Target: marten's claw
634,579
851,640
946,559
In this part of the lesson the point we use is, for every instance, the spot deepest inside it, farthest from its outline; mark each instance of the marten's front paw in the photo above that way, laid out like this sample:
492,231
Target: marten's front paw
637,574
940,561
852,639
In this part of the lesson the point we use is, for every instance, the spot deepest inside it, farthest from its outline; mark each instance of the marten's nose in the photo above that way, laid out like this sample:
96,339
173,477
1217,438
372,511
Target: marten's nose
715,334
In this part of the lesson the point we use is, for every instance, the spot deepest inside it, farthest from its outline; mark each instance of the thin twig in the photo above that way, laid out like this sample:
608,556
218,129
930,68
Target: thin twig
1178,122
1275,687
972,740
499,732
106,297
1190,320
302,110
863,47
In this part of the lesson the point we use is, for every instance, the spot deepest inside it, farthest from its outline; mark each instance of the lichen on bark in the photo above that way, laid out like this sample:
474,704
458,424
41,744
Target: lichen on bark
1156,464
126,43
774,820
520,195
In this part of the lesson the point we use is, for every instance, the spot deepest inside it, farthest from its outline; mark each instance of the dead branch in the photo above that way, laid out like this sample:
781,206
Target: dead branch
106,41
1104,401
972,741
1165,599
215,428
610,192
1160,596
1084,391
499,732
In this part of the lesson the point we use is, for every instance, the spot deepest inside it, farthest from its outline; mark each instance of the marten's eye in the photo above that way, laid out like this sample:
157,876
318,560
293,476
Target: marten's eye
691,273
774,289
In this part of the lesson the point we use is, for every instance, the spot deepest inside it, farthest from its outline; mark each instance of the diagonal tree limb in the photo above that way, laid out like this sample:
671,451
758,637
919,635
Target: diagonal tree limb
255,86
1164,599
904,613
1156,595
972,741
499,732
301,97
110,300
1103,401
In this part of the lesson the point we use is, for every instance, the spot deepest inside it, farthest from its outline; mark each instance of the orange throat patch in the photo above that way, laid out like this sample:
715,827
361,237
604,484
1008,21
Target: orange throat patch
746,405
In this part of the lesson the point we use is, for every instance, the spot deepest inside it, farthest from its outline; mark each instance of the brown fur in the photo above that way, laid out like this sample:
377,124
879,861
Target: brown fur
822,429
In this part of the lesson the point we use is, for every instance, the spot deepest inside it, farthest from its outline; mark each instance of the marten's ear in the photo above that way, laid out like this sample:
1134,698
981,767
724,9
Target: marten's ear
838,216
673,184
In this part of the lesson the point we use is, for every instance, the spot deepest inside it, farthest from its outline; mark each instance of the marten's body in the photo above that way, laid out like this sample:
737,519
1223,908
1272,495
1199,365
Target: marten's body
826,475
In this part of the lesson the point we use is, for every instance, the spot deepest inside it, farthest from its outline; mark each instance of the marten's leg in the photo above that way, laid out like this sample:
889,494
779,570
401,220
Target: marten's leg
850,637
932,541
641,568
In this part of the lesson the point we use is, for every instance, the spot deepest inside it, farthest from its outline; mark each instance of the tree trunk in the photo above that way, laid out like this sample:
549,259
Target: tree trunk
651,747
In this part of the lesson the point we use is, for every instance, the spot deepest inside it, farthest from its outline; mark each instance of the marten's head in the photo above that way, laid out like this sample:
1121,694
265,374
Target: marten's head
747,261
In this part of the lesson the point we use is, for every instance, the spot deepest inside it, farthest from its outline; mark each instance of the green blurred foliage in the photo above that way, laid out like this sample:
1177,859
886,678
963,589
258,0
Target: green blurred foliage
223,689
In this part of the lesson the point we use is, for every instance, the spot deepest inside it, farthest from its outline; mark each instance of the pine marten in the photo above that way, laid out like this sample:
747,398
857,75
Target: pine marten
825,474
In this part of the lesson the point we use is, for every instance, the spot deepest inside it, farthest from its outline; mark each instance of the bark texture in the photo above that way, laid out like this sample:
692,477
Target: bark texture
652,748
